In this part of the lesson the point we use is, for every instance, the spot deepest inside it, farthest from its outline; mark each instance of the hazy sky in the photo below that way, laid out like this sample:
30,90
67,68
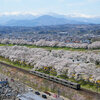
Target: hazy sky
79,7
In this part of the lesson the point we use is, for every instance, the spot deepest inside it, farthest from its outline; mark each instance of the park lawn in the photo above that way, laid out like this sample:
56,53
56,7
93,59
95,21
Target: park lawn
6,44
48,48
56,48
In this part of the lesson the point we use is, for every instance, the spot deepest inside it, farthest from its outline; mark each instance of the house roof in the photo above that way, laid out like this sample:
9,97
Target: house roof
30,96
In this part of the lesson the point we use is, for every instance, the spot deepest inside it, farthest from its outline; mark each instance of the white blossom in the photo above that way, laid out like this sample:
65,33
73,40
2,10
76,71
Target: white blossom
75,64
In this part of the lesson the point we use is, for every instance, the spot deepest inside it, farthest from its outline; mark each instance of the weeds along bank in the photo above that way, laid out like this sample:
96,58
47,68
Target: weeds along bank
45,85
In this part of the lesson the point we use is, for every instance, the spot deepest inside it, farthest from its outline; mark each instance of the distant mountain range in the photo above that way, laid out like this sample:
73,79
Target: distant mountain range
44,20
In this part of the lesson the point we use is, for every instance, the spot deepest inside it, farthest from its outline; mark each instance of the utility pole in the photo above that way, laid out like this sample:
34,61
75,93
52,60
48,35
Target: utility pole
58,92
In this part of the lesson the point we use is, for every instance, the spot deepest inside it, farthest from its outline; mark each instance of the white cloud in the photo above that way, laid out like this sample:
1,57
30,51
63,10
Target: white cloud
75,14
80,15
13,0
93,0
61,0
18,13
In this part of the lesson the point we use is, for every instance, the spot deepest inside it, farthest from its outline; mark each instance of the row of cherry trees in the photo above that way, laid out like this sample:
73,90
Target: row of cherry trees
76,64
94,45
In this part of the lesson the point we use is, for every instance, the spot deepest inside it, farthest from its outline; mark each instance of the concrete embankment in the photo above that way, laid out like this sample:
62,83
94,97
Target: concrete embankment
46,85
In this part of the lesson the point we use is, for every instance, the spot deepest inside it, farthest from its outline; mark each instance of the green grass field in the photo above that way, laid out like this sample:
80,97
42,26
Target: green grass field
6,44
48,48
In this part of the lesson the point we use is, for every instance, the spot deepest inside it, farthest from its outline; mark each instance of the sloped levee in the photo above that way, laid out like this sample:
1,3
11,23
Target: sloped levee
46,85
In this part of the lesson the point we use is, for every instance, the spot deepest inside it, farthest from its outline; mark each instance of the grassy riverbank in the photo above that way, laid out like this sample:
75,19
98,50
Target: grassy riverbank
84,84
48,48
16,64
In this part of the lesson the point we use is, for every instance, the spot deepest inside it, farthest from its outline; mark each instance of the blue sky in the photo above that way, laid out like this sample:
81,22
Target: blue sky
78,7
